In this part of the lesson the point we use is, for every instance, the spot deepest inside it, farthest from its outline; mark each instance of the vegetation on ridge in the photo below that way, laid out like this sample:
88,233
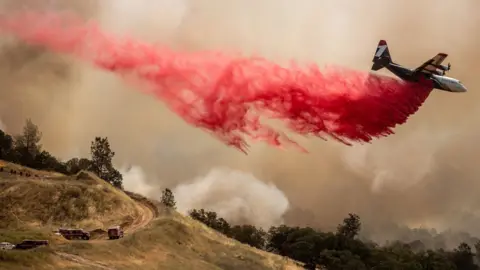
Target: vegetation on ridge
341,249
25,149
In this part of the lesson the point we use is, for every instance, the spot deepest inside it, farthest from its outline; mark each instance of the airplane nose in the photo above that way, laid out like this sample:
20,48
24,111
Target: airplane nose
464,89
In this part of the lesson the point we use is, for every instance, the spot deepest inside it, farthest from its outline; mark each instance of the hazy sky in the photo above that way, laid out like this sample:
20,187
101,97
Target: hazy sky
426,174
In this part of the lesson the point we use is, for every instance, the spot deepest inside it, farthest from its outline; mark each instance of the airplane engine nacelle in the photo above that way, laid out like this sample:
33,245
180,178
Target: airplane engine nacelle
446,68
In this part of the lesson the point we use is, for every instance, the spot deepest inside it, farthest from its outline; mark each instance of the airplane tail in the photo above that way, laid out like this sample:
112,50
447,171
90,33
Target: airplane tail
382,56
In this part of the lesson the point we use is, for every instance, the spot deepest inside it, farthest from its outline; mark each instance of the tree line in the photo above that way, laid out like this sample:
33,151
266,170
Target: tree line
26,149
339,250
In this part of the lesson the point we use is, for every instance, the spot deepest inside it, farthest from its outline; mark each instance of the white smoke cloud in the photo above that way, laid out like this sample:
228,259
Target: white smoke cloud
237,196
135,180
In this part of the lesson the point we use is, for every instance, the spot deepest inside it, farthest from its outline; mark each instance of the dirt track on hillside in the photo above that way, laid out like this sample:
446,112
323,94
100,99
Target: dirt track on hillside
147,214
146,210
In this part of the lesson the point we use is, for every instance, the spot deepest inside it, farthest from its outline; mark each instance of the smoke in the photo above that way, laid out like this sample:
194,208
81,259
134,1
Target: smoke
425,174
135,180
381,164
236,196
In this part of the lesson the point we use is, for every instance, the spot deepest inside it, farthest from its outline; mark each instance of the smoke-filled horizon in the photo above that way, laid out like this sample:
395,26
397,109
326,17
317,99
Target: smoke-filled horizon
425,174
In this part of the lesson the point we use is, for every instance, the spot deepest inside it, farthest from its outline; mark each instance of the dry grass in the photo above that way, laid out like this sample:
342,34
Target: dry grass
80,201
8,166
32,207
17,259
175,242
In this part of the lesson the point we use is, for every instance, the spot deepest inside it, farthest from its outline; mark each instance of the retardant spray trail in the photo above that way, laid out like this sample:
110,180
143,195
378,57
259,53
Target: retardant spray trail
227,94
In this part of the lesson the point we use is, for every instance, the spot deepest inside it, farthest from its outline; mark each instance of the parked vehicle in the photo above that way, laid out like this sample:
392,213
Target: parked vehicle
6,245
71,234
29,244
115,232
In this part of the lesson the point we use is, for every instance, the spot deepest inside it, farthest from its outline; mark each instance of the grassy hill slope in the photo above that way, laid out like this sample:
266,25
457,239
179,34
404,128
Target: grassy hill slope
53,200
155,238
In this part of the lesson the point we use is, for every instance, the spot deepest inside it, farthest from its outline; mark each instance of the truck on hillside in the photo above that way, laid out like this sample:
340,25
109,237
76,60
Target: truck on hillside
71,234
115,232
29,244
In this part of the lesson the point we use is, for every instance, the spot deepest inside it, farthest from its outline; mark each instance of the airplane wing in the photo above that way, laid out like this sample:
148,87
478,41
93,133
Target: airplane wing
432,64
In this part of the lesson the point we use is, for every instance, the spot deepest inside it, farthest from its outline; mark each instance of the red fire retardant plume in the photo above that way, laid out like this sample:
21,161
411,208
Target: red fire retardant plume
227,94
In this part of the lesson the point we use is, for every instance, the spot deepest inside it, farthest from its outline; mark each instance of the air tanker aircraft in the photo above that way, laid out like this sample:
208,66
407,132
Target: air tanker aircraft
431,70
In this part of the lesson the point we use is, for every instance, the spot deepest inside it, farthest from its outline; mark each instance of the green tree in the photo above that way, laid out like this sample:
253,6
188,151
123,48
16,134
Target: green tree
477,252
463,257
342,250
197,215
435,260
168,199
27,144
305,245
84,164
417,246
211,219
350,227
101,162
75,165
250,235
45,161
222,226
277,237
6,146
396,256
342,260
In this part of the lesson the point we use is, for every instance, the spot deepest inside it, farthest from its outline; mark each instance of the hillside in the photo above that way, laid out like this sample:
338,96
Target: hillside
54,200
36,203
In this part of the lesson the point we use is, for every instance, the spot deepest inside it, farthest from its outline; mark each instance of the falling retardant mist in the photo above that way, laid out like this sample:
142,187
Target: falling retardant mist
231,95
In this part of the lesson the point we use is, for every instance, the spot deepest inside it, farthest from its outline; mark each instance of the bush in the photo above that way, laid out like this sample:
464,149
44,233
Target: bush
25,149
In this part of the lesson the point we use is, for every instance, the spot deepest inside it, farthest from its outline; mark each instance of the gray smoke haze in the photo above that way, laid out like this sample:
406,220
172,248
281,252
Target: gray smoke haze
135,180
237,196
426,174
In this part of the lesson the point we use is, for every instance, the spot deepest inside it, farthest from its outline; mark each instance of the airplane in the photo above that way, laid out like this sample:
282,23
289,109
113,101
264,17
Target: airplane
432,70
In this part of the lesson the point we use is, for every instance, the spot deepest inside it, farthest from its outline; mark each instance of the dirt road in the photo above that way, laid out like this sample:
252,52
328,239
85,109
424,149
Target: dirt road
146,215
147,212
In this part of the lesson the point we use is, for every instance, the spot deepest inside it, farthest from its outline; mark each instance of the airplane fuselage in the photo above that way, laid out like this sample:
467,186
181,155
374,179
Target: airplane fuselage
403,73
439,82
448,83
